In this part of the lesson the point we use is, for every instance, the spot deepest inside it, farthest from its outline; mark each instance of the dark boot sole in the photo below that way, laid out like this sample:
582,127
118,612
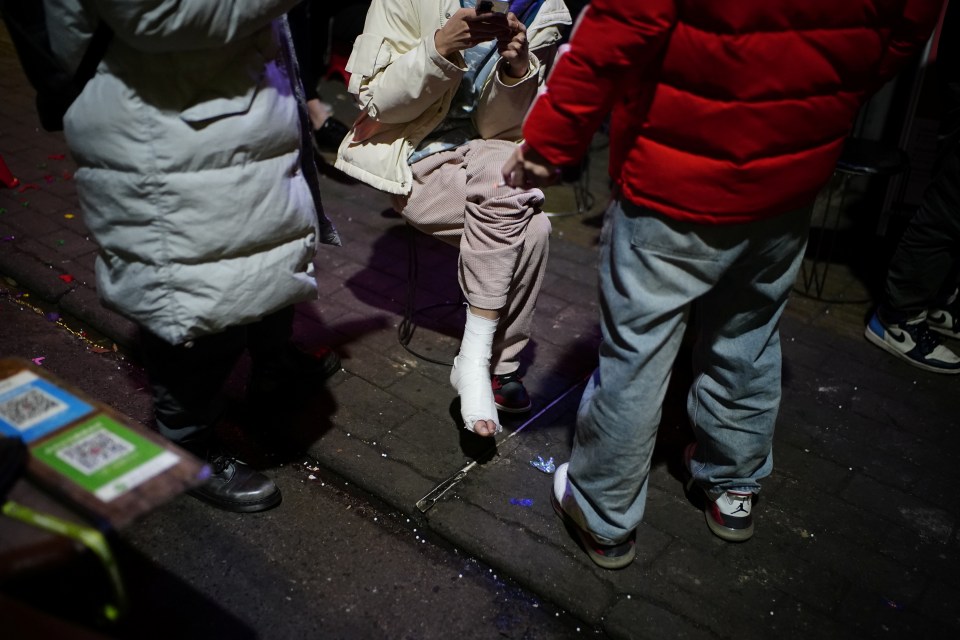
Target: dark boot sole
269,502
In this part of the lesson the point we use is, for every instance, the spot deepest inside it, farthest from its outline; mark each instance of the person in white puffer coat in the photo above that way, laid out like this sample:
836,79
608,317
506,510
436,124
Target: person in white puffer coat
193,179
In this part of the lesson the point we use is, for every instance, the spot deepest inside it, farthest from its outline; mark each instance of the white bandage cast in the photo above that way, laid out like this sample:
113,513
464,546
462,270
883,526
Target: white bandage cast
471,372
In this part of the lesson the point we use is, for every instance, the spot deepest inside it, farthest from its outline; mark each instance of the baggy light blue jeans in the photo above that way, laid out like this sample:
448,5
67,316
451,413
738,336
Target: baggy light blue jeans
653,271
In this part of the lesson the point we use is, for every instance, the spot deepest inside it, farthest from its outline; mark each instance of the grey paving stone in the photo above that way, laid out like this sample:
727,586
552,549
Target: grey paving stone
940,603
28,222
372,366
903,508
423,393
27,270
719,590
396,483
644,620
68,244
367,412
876,613
559,579
82,303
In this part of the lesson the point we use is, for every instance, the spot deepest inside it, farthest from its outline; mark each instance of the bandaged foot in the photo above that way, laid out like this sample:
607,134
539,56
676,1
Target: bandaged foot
471,376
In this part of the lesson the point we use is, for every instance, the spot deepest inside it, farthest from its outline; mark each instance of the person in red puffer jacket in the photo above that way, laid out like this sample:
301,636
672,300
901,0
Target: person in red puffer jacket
726,120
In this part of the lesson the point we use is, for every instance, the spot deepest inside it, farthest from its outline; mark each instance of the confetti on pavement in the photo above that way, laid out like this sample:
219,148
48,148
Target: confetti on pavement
546,466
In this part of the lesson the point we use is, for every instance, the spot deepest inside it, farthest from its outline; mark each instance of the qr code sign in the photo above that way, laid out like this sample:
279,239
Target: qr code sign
94,451
28,408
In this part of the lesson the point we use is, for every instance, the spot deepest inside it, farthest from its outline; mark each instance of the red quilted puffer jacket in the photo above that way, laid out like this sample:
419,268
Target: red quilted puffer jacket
723,111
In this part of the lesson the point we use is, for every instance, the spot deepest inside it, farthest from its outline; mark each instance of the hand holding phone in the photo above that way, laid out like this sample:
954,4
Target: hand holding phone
468,27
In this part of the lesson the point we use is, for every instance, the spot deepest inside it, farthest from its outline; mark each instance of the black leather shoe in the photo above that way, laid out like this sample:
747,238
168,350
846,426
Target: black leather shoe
234,486
330,134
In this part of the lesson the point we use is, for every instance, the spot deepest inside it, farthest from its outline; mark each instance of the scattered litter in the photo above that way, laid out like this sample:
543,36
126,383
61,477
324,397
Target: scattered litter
69,216
8,238
29,186
522,502
546,466
67,175
57,156
49,178
39,361
66,277
893,604
312,477
60,243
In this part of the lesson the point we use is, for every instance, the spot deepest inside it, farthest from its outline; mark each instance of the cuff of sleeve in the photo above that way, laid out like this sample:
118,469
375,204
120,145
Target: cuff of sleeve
509,81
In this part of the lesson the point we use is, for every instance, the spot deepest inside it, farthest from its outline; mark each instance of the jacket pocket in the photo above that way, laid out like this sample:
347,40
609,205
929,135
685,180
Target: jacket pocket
368,56
217,108
228,93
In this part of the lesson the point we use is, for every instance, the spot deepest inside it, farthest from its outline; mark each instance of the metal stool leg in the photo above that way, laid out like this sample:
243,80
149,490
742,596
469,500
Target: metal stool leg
582,196
408,324
815,274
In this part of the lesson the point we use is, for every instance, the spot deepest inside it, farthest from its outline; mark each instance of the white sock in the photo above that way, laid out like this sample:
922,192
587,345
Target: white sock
471,372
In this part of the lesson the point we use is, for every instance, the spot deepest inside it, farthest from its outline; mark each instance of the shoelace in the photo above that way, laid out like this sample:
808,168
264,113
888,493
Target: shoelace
925,338
219,463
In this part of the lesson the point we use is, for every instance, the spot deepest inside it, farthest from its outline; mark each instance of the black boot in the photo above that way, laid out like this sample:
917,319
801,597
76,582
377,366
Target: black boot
235,486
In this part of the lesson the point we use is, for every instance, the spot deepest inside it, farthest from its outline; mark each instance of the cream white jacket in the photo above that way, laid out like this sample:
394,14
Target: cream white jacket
404,87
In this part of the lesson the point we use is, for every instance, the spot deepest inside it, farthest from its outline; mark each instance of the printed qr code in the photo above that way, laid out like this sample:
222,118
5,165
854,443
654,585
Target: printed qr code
29,408
95,451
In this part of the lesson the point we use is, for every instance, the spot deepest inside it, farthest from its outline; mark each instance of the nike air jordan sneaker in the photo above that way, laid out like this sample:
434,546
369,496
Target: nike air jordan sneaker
914,342
945,318
729,515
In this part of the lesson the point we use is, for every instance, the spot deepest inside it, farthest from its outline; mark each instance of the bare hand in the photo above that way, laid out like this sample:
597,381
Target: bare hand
526,169
466,29
514,48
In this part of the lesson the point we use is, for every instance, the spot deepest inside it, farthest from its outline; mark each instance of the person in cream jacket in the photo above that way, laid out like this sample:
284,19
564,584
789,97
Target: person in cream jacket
443,89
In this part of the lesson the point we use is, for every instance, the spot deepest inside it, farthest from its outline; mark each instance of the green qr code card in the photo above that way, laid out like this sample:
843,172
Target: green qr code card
104,457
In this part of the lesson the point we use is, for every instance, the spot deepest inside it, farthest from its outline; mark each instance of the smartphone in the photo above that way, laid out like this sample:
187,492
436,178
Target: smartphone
494,6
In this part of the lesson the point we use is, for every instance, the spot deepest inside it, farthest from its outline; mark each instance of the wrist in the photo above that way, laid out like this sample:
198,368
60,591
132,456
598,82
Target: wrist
440,44
517,69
